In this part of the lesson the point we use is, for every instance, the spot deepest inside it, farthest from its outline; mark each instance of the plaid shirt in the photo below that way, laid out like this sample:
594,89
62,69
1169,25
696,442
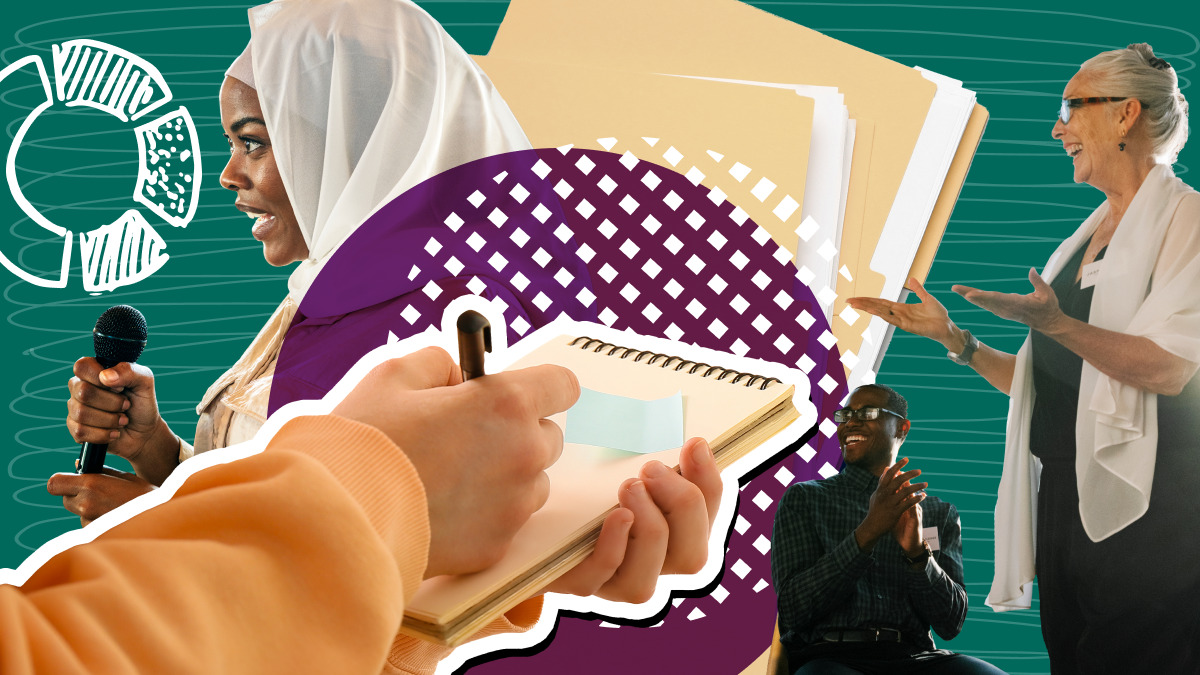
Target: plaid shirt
824,581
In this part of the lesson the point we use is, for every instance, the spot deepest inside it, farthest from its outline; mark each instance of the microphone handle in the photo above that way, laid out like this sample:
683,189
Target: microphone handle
91,455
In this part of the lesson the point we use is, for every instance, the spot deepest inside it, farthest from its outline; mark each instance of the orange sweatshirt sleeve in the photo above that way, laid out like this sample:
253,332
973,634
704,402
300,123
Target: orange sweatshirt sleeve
406,655
296,560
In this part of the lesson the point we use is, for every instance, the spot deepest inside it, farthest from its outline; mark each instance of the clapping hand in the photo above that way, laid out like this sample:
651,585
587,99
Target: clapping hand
907,531
893,497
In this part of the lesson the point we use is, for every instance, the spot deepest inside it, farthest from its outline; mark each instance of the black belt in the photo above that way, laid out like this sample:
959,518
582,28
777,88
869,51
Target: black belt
861,635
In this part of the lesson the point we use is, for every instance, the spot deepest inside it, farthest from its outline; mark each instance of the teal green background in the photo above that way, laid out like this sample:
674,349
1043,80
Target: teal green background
215,292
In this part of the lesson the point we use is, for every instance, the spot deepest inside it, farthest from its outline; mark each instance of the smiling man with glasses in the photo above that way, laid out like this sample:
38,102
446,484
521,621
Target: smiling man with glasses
865,562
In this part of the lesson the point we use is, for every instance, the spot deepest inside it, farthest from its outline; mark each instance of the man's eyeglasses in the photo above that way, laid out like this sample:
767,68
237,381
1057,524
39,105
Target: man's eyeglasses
1069,104
846,414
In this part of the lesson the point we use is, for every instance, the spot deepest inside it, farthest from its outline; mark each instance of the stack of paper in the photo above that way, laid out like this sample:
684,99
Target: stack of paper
849,159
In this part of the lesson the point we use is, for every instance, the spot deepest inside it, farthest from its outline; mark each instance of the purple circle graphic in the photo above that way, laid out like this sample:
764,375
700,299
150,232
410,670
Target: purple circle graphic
600,237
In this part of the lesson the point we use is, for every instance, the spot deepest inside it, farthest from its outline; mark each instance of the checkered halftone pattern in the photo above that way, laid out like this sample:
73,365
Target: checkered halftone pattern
490,227
671,257
603,237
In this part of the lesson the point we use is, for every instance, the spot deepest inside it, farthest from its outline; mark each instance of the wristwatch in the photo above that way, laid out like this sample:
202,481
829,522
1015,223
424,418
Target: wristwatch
920,559
964,357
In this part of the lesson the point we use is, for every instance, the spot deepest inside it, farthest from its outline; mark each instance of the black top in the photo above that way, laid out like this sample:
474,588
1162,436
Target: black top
1057,370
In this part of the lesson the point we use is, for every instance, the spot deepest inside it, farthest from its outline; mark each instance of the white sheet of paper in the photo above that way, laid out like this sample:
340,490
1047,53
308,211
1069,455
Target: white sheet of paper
847,163
910,212
828,171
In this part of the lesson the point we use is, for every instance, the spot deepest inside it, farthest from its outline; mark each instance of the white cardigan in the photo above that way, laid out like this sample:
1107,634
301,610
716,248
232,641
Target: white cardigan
1149,286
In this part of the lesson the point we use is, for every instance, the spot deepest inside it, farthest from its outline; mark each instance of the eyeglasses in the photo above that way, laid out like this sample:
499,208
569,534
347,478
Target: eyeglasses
1069,104
846,414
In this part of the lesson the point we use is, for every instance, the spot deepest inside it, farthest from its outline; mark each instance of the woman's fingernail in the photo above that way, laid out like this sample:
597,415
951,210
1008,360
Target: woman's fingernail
122,421
125,405
114,434
654,469
638,488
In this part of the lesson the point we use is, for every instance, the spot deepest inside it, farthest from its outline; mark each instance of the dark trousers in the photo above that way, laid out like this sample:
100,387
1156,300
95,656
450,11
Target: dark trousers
885,659
1130,603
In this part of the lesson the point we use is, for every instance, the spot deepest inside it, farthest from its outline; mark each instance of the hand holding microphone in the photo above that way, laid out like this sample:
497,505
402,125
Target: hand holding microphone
119,337
113,401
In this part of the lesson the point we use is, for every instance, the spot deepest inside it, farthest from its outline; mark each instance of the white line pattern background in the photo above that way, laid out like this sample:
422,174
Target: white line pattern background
209,301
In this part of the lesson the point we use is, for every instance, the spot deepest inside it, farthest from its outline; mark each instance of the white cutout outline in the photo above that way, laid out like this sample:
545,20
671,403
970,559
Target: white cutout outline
501,357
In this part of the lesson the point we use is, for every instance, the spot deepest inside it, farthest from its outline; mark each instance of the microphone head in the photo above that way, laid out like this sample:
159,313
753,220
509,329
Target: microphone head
119,336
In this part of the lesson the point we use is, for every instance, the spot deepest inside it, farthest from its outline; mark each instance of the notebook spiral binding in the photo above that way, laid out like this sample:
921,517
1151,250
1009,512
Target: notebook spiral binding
668,359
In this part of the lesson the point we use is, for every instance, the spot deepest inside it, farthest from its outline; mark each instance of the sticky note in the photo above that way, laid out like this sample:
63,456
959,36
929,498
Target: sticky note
625,423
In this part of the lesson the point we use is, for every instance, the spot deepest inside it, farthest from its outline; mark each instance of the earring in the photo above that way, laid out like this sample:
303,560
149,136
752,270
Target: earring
1122,146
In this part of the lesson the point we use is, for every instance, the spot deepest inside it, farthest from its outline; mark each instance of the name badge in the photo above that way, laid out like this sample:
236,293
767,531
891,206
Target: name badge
931,536
1090,274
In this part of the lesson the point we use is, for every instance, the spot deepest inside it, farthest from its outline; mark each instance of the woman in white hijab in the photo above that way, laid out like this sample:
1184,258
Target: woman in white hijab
1100,493
345,110
356,117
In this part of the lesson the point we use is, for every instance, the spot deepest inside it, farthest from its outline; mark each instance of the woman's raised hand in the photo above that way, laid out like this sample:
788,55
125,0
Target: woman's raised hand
1039,310
117,406
927,318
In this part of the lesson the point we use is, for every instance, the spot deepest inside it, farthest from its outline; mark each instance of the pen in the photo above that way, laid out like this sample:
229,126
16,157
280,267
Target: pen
474,338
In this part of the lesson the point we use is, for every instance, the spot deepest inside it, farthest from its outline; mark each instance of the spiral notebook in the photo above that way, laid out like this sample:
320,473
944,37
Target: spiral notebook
735,411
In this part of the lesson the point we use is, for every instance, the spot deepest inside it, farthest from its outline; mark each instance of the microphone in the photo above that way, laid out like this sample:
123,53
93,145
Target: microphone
119,337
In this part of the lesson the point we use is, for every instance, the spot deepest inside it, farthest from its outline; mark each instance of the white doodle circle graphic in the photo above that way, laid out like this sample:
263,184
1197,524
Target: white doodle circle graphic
126,86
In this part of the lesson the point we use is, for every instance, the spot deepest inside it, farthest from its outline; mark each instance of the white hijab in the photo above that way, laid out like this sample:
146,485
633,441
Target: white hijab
1144,290
363,100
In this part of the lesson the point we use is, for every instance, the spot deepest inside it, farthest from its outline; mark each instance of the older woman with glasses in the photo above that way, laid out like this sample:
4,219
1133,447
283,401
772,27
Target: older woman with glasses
1100,492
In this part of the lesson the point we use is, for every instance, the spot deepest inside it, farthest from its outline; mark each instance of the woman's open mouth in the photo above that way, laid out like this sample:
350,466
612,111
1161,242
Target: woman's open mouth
264,223
1074,149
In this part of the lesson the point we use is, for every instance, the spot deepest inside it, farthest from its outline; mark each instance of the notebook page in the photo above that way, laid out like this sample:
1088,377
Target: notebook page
584,482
